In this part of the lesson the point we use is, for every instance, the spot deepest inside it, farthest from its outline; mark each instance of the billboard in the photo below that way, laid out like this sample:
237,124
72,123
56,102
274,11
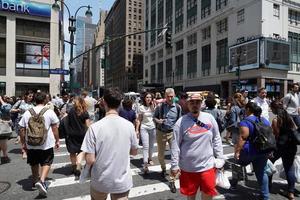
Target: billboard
246,55
26,7
34,56
277,54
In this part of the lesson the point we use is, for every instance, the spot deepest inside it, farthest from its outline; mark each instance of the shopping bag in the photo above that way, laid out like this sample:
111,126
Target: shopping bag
85,174
271,169
297,168
222,180
5,129
282,172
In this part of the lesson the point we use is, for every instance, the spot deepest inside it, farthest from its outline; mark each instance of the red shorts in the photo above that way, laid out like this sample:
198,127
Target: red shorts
190,182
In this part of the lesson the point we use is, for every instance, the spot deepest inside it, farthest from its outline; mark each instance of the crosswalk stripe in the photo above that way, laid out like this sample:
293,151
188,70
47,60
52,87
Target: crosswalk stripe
141,147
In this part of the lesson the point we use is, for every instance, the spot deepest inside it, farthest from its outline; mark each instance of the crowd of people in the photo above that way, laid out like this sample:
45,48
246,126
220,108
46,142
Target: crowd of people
104,132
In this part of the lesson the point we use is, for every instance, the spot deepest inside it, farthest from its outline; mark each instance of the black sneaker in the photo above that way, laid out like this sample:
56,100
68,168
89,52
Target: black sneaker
5,160
172,187
42,187
163,173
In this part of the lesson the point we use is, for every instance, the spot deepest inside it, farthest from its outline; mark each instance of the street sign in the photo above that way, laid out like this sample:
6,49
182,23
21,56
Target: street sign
59,71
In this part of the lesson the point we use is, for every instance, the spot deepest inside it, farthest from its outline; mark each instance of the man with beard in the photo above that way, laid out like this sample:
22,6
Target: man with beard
196,145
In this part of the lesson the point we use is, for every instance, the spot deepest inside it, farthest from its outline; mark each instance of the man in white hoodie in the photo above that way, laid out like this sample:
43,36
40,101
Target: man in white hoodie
195,146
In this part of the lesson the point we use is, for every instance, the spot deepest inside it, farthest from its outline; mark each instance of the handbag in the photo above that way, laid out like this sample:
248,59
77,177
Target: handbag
5,129
295,136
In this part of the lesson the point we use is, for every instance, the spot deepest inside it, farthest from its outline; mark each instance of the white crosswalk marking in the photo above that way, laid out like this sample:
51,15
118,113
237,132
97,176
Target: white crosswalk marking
137,191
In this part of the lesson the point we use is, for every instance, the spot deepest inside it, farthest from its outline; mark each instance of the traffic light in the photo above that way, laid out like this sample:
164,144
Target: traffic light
168,39
237,71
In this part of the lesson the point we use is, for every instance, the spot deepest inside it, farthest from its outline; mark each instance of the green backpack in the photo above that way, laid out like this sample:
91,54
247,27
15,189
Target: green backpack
36,132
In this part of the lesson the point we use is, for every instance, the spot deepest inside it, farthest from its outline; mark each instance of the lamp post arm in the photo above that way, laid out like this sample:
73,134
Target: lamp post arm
66,7
79,9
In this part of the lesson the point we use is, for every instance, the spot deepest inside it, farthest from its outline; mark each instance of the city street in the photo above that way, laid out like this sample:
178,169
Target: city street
62,185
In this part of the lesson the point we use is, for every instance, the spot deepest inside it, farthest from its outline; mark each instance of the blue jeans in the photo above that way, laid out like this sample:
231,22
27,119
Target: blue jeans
296,119
259,163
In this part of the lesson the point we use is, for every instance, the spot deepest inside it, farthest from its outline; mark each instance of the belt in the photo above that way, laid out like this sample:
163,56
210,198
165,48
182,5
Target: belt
165,131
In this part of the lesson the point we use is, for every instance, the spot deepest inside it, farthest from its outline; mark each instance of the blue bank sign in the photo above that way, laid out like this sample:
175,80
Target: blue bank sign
25,7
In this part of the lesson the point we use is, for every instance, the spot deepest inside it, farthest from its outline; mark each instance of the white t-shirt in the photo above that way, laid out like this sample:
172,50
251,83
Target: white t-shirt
111,139
50,119
263,104
147,113
90,101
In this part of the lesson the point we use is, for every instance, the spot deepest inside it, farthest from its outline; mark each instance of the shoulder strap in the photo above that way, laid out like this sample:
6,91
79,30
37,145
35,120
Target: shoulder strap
42,112
178,110
32,112
161,109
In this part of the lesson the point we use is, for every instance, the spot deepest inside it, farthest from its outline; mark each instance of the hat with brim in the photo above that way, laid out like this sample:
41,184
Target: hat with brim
194,96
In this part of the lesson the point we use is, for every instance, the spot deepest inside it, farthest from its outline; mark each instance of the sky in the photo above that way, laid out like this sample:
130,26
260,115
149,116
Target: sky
73,5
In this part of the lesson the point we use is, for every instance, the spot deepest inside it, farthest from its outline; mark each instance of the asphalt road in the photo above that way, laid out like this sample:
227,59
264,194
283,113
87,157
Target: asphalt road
15,180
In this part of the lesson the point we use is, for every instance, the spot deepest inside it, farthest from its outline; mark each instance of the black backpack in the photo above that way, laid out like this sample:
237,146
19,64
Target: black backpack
263,138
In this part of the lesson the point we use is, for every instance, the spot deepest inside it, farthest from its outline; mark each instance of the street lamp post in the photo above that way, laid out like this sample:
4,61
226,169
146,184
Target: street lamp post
72,30
240,53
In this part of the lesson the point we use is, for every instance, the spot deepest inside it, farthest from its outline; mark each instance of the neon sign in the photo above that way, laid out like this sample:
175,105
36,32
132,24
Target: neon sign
25,7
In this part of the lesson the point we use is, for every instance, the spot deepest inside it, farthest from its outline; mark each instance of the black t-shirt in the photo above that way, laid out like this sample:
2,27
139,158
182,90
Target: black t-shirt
76,123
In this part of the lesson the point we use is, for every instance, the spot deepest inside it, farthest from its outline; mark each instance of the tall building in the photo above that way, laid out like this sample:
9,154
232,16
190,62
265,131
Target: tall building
97,67
31,43
84,40
124,56
213,39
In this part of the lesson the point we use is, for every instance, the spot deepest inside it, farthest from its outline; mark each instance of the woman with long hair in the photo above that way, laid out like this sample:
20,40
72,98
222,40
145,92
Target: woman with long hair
20,107
245,151
147,129
282,126
75,127
237,114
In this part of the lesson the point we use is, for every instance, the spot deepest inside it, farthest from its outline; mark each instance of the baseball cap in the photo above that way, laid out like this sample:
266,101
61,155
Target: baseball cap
194,96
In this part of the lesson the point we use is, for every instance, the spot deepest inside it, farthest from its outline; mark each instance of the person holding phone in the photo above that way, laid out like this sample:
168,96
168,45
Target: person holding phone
147,129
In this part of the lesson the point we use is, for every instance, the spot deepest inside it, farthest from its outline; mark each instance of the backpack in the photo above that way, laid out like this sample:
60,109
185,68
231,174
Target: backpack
219,117
36,131
263,138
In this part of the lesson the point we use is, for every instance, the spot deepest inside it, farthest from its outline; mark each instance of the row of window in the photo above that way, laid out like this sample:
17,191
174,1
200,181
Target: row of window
222,62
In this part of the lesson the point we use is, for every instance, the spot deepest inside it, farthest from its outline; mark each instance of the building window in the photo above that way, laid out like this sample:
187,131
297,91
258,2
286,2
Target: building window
178,15
222,26
192,64
2,25
160,20
294,17
206,55
152,57
169,14
241,16
179,45
169,70
179,67
205,8
222,56
191,12
294,39
153,23
146,73
192,39
221,4
206,33
153,72
160,72
160,53
32,59
146,59
32,28
276,10
2,56
2,88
